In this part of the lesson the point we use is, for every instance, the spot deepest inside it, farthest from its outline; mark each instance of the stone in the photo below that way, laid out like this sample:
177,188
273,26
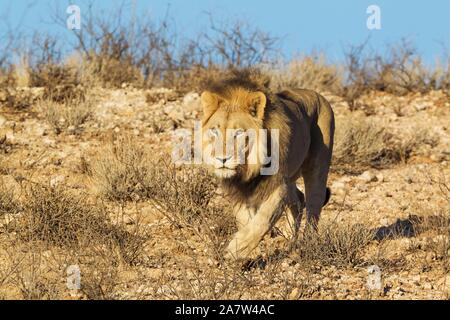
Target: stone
55,181
380,177
367,176
71,129
338,186
2,121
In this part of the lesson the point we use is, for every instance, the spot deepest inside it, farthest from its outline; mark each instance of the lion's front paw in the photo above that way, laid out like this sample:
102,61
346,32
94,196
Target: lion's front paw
238,250
232,253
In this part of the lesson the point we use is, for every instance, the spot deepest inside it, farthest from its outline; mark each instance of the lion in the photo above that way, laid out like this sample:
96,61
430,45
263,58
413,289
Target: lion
304,122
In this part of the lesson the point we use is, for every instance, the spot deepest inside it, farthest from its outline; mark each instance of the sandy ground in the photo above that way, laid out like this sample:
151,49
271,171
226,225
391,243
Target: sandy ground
176,262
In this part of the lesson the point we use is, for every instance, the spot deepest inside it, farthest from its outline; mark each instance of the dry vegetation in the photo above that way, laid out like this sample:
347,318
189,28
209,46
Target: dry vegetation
86,178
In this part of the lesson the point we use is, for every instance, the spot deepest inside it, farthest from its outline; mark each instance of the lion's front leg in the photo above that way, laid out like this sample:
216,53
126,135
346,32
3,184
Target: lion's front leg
243,214
248,237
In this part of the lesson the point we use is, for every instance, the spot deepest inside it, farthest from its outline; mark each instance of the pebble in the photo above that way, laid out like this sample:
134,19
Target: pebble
295,293
2,121
49,142
367,176
71,129
338,186
55,181
380,177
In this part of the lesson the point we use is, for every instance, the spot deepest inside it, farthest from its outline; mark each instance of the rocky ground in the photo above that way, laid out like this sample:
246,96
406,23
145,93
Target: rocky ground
177,263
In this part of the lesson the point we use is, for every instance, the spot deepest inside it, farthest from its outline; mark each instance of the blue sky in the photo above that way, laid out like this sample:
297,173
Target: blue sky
326,25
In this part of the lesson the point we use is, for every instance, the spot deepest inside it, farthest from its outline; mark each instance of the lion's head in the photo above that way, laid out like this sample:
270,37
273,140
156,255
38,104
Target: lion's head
232,143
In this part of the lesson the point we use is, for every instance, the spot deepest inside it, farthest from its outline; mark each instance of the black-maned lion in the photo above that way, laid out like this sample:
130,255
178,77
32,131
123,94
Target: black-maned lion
241,103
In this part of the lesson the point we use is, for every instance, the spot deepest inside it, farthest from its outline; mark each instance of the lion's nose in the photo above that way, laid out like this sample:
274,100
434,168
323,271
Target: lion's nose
223,160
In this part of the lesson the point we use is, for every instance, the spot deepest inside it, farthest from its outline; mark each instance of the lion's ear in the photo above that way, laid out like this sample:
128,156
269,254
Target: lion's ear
257,105
210,103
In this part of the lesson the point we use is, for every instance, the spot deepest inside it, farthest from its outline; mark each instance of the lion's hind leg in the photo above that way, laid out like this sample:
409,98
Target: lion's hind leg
317,194
295,209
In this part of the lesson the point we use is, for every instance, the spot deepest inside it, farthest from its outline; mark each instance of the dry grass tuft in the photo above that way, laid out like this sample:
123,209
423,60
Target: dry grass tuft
69,114
8,201
121,170
61,82
59,217
186,196
398,71
309,72
15,98
188,199
335,245
360,144
110,72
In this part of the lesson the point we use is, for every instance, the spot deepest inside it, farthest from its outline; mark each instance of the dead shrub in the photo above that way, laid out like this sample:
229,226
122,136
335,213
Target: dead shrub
309,72
60,82
58,217
122,170
29,272
100,274
111,72
335,245
68,113
8,201
7,78
361,144
16,99
438,225
187,191
186,196
196,78
398,71
435,225
45,68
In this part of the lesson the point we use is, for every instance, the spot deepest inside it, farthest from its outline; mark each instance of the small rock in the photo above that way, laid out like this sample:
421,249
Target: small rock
176,115
71,129
437,157
444,284
380,177
295,293
55,181
367,176
338,186
191,101
128,220
2,121
416,279
427,286
3,95
49,142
